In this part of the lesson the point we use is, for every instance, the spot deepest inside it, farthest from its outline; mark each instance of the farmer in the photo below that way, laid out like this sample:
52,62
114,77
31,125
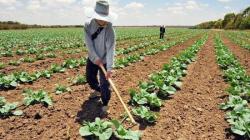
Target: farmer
162,32
100,42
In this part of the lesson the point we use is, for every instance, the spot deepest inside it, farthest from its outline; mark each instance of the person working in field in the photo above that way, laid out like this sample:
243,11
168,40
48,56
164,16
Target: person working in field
100,42
162,32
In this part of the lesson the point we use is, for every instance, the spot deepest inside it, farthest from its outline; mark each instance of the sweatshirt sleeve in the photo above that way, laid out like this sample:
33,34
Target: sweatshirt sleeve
110,44
89,43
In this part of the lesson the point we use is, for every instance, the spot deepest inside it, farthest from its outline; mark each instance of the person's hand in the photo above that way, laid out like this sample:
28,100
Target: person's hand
108,75
99,62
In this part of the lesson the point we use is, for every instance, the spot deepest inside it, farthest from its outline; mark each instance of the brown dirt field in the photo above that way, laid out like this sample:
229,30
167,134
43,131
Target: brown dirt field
243,55
62,120
193,112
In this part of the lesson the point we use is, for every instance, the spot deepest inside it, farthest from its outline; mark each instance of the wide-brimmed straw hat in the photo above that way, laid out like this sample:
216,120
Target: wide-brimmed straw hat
101,12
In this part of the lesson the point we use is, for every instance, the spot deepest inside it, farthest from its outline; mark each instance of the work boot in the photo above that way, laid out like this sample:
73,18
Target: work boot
105,111
94,94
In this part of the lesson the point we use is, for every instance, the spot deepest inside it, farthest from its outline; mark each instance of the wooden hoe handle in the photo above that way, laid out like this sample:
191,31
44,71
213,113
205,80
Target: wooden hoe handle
119,96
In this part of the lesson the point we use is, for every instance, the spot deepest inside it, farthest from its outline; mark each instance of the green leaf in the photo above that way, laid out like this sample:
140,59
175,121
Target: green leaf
13,84
48,100
84,131
145,114
123,133
100,129
238,131
106,135
178,84
18,113
169,89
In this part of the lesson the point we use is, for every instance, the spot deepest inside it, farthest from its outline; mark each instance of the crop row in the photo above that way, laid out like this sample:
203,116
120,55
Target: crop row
240,41
238,115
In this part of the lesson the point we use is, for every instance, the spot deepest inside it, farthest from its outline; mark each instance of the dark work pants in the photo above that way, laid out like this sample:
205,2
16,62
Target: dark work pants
161,35
103,87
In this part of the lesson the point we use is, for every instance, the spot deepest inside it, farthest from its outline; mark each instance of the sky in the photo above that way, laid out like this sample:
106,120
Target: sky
129,12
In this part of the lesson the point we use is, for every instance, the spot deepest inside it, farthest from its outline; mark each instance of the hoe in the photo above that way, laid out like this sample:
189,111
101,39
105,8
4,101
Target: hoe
120,98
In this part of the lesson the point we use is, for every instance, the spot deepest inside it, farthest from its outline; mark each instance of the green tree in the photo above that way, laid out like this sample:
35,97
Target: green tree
237,21
246,12
228,19
218,24
245,24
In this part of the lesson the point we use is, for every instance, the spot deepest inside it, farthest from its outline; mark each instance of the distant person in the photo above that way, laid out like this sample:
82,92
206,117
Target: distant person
100,42
162,32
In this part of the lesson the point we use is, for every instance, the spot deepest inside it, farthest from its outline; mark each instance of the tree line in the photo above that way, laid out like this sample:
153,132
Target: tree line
9,25
230,21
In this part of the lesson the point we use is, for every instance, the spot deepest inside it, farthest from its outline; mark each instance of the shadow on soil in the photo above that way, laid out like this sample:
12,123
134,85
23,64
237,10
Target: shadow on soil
90,110
230,135
144,125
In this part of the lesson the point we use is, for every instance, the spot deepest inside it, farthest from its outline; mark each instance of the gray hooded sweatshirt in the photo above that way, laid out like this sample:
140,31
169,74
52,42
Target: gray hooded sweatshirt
103,47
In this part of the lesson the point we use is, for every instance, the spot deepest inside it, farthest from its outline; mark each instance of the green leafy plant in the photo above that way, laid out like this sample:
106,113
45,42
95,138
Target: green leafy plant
79,80
32,50
237,113
50,55
121,63
46,74
158,85
124,134
71,63
57,68
2,65
145,114
7,109
24,77
7,53
82,61
28,59
33,97
145,98
20,52
14,63
239,118
62,89
49,48
234,103
98,129
240,90
40,57
241,127
9,81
